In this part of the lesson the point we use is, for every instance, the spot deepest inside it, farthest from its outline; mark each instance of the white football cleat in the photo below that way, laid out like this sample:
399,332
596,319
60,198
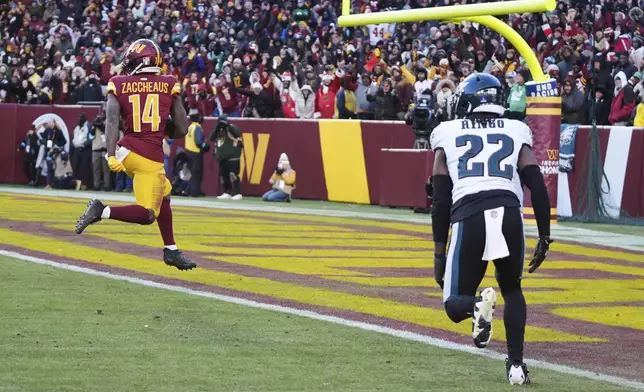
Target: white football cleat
237,197
482,318
225,196
517,374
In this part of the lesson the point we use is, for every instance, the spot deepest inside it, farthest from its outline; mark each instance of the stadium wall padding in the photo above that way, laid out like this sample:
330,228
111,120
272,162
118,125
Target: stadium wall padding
344,160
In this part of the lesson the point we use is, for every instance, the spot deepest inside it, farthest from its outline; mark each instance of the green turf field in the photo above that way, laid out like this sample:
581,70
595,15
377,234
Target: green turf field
67,331
618,229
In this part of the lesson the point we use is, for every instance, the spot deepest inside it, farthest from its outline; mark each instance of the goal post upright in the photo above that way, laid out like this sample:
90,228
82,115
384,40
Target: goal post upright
544,104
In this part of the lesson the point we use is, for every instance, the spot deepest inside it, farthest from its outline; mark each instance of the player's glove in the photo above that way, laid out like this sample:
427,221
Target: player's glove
540,253
115,165
440,261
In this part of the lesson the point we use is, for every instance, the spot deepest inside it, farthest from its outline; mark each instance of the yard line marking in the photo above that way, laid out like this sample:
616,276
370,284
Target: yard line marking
334,319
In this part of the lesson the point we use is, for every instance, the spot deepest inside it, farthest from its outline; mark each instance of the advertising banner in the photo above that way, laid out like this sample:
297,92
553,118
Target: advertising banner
544,119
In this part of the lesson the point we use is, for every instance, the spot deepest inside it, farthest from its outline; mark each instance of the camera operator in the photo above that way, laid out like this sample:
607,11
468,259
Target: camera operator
49,136
102,175
228,149
422,119
30,145
59,170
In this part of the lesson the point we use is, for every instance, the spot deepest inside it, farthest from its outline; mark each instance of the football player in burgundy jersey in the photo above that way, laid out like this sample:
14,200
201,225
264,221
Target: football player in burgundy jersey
144,99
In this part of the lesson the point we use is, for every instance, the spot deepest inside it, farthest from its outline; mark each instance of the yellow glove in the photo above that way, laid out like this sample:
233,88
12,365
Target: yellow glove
115,165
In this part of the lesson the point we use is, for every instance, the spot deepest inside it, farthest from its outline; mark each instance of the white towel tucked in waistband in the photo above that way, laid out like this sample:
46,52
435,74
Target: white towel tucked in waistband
495,245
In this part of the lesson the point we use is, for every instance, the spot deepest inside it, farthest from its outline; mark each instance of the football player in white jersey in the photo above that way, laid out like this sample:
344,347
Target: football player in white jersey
478,157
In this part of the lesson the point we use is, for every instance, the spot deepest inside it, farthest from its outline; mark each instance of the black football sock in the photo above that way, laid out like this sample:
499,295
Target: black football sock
514,318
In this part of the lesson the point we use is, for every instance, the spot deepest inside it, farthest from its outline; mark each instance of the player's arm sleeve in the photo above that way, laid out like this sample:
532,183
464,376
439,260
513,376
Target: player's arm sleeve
441,202
111,89
532,178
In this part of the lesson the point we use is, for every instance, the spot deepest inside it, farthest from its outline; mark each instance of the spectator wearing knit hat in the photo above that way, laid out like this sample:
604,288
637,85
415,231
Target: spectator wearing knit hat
623,101
325,96
288,90
572,102
346,102
386,102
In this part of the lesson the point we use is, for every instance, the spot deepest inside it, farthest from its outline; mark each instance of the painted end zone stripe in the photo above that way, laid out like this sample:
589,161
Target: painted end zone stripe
343,159
336,320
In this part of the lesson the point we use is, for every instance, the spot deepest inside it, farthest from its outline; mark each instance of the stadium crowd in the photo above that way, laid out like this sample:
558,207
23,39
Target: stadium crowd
288,58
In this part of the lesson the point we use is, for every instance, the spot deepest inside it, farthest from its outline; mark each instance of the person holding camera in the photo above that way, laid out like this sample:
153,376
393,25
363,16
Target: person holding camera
196,146
102,174
50,136
228,149
82,153
30,145
59,170
282,180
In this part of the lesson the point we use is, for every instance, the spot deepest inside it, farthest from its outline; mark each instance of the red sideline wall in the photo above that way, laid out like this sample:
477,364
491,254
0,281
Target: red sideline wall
308,151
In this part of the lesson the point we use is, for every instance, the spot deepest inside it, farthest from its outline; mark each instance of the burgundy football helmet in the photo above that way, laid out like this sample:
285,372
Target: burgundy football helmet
143,56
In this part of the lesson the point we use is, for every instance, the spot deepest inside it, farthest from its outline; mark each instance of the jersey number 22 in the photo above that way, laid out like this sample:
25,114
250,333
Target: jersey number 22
493,163
150,113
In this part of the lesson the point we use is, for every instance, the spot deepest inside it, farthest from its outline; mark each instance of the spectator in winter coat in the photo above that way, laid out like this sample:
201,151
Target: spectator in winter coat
282,181
289,91
572,102
91,90
517,98
365,108
567,61
325,96
386,102
82,154
623,102
602,75
602,106
404,91
262,102
422,83
30,145
624,66
444,91
206,104
305,103
226,97
101,171
346,99
638,121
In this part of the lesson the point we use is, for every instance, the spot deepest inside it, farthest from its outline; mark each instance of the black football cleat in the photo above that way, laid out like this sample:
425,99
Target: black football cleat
92,215
177,259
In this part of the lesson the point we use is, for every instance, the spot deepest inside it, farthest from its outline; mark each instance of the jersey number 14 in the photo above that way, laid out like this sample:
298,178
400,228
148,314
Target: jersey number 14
150,113
493,163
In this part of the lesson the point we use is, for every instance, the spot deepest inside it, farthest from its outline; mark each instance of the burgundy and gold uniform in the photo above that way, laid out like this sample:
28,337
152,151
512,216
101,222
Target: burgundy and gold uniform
145,98
146,103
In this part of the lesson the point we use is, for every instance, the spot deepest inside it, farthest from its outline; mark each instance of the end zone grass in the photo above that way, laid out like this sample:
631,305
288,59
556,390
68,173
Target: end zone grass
66,331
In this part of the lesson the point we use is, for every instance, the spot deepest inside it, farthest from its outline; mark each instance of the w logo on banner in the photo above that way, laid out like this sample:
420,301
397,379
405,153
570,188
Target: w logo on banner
253,159
553,155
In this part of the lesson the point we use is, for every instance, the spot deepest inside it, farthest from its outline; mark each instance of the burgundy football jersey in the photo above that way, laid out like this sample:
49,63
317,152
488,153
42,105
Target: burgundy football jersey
146,103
